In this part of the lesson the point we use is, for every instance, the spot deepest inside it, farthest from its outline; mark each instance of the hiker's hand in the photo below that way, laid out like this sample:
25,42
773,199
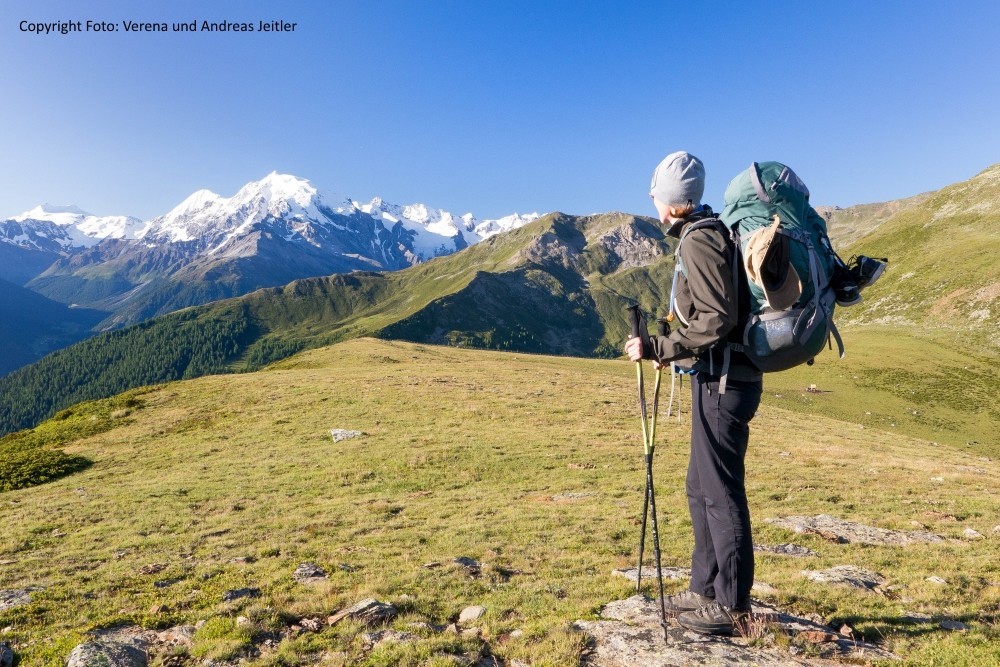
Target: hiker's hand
633,348
657,365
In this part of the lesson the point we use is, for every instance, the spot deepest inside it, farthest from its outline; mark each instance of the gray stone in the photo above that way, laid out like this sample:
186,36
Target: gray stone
181,635
937,580
104,653
16,597
471,566
343,434
954,626
472,613
972,534
368,610
784,550
838,530
631,635
848,575
570,496
239,593
308,571
649,573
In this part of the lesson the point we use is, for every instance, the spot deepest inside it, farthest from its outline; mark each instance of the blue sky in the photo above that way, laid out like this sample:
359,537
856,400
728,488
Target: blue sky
495,107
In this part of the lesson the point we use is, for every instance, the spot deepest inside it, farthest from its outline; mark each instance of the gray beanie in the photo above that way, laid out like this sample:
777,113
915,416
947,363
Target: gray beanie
678,179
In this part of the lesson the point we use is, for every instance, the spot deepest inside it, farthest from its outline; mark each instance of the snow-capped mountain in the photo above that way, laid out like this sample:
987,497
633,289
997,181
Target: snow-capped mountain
208,247
63,228
212,220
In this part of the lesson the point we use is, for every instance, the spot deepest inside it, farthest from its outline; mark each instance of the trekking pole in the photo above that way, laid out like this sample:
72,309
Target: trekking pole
649,497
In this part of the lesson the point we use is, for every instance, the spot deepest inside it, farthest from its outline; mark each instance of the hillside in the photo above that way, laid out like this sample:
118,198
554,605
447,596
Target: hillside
558,286
32,326
847,225
943,273
205,496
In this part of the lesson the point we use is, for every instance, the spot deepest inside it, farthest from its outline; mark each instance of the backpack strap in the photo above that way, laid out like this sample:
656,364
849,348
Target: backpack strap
733,237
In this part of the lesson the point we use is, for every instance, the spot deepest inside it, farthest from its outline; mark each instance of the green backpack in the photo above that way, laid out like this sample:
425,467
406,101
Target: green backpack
776,340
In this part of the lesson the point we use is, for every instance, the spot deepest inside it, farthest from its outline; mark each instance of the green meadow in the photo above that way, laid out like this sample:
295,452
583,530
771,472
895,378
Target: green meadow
530,465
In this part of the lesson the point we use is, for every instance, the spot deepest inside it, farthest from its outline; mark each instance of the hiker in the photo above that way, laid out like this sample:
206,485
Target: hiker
706,304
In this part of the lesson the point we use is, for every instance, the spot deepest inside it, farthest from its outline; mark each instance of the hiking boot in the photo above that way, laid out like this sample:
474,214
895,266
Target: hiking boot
866,270
685,601
714,619
848,294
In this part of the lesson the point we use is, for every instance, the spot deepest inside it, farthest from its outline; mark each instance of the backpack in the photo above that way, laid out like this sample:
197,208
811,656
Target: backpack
776,340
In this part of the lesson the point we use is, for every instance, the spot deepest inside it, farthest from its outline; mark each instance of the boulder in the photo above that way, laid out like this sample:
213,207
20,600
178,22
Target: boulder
471,614
103,653
344,434
367,611
306,572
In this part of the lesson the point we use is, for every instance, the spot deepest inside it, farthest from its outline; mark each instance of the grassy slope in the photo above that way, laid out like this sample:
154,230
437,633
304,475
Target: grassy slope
480,296
463,454
943,275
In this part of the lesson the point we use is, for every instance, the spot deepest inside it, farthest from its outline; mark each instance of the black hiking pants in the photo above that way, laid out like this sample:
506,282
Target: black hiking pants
722,562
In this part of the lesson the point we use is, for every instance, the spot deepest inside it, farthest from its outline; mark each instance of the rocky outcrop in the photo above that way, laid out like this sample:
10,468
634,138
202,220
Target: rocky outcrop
630,634
838,530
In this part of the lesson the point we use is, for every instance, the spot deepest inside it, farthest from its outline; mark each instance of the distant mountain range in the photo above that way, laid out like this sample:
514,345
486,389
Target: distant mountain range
209,247
557,285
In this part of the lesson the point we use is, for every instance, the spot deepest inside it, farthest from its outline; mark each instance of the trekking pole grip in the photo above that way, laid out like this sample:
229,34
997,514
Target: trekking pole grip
634,317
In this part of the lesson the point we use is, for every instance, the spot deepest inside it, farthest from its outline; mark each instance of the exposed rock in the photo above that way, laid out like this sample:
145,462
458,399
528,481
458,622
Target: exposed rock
571,496
937,580
470,632
649,573
103,653
471,614
838,530
471,566
164,583
343,434
634,636
972,534
239,593
307,572
784,550
16,597
368,610
311,624
181,635
152,568
372,639
848,575
954,626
